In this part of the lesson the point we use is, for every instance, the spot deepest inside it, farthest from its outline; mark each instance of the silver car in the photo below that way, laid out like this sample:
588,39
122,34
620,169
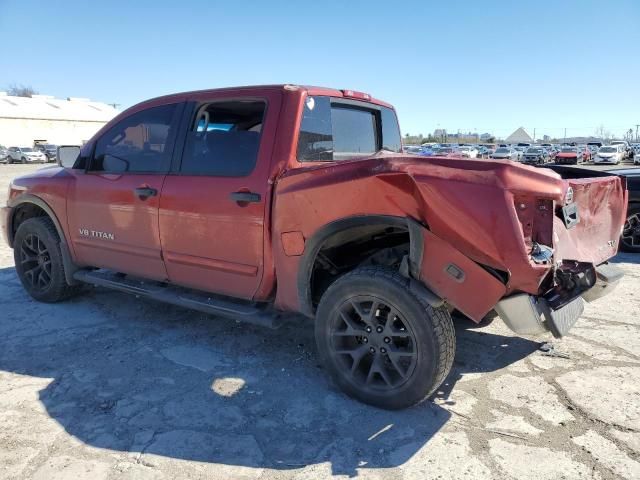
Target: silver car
4,154
26,155
506,153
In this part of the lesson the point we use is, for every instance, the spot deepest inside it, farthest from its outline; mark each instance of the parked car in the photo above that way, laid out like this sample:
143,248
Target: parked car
428,151
586,153
505,153
536,155
609,154
636,155
446,152
26,155
484,152
49,150
415,149
469,152
376,246
520,151
569,156
4,154
624,145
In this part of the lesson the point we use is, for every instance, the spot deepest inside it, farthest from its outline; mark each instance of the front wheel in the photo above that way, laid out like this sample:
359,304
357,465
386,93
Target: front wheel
380,342
38,260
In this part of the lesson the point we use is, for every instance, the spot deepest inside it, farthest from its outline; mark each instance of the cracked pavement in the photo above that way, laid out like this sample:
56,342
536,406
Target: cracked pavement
107,386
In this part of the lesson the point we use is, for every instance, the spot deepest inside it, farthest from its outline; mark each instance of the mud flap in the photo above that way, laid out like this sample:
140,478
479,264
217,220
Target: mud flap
457,279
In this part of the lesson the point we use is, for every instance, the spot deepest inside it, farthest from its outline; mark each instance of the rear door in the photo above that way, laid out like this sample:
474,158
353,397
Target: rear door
212,207
113,205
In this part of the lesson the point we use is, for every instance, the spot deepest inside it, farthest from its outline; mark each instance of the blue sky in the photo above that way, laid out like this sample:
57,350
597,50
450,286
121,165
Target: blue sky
469,65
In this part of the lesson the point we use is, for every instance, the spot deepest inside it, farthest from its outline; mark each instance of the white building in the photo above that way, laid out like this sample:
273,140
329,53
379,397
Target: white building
43,117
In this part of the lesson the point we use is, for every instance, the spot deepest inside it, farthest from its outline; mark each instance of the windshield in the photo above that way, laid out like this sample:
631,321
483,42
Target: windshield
608,150
27,150
534,150
569,150
502,150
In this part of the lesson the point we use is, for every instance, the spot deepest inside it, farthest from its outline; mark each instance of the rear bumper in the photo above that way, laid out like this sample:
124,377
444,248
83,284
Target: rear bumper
529,315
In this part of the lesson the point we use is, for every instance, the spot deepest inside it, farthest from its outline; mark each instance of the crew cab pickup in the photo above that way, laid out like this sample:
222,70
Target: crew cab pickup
260,202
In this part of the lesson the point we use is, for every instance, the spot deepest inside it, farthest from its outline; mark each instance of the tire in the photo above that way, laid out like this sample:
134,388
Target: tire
38,260
23,160
630,238
422,338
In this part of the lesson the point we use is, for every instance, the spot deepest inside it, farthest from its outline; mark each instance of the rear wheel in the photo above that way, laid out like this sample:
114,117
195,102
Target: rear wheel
380,342
38,260
630,238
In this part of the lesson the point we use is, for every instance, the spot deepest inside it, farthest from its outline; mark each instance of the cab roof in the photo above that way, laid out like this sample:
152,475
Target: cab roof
309,89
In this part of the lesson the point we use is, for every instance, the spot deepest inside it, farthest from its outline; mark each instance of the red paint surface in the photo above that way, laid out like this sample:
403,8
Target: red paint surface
477,212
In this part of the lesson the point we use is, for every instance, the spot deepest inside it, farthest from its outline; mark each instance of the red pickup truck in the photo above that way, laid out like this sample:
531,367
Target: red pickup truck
258,202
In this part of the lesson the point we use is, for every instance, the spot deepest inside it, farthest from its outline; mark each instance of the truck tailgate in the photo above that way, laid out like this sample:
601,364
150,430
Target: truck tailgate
601,206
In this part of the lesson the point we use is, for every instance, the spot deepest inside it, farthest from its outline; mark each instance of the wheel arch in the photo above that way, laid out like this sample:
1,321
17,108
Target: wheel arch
38,208
320,238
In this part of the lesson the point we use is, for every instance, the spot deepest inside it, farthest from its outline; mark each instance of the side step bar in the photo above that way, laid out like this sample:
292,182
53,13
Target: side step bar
182,297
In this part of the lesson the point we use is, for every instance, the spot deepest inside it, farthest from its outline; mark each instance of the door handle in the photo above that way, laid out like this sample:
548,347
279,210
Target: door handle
245,197
145,192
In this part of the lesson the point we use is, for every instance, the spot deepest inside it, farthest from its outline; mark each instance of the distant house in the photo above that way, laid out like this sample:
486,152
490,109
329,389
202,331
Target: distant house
42,117
519,136
485,136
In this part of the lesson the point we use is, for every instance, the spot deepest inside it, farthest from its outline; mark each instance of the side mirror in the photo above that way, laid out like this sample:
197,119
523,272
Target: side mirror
68,155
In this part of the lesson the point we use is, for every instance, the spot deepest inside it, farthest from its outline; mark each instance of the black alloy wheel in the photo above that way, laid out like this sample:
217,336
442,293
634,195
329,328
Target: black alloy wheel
374,343
35,262
39,263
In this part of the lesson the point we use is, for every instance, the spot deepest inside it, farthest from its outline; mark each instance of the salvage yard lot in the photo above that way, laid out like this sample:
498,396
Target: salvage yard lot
108,386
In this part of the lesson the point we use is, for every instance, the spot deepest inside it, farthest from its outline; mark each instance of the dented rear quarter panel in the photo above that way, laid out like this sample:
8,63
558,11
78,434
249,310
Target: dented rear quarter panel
487,212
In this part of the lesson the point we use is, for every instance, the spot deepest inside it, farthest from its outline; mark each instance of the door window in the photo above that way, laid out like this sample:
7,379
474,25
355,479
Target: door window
140,143
224,139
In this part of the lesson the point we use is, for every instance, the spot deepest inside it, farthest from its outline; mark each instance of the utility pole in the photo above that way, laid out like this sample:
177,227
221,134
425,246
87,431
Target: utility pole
565,135
114,105
534,134
637,125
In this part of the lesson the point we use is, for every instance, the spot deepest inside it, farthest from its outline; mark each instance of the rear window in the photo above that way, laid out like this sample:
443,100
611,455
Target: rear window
335,130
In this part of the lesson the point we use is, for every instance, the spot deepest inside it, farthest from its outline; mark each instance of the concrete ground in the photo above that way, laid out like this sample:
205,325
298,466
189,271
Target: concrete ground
106,386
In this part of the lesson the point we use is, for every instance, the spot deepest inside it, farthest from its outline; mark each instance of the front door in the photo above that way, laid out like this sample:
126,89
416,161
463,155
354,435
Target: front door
212,207
113,205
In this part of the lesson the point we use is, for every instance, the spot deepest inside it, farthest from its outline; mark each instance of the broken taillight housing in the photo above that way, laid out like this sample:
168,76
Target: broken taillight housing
536,221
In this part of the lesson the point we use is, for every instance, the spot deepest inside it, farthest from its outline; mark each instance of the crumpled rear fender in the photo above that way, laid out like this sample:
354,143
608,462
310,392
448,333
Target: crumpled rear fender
452,276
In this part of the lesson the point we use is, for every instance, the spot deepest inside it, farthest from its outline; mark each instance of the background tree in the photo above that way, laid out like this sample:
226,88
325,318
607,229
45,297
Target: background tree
16,90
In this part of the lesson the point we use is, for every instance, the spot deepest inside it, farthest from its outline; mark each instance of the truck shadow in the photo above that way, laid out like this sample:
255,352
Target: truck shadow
165,383
624,257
